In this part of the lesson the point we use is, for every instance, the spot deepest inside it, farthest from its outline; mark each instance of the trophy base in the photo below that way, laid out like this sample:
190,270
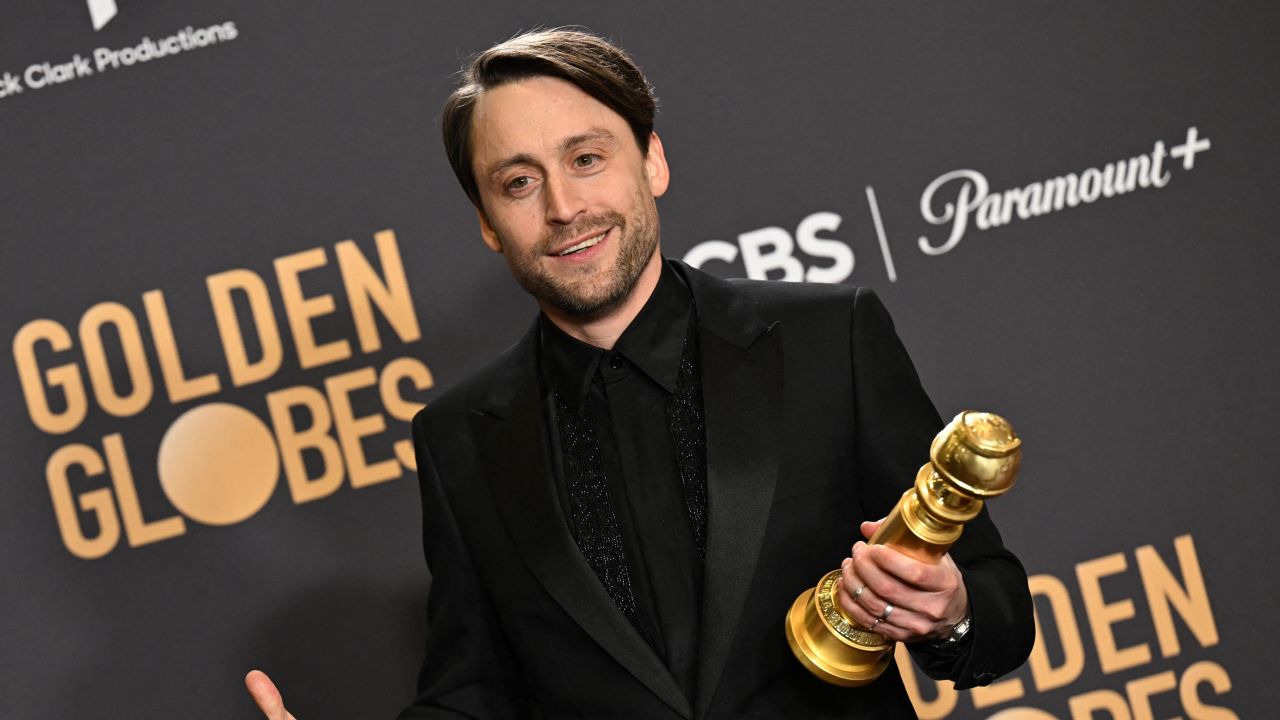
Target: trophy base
829,655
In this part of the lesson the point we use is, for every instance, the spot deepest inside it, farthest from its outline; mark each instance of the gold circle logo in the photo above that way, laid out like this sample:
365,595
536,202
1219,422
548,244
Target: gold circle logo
218,464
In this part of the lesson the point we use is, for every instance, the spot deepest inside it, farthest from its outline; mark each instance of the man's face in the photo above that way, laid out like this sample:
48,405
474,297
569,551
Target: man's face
567,195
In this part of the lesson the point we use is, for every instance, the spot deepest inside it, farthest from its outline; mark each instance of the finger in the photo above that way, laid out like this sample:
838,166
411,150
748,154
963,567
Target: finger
858,547
265,694
917,613
937,607
902,625
851,602
870,528
897,624
850,586
869,574
868,610
910,571
882,585
855,598
888,588
849,582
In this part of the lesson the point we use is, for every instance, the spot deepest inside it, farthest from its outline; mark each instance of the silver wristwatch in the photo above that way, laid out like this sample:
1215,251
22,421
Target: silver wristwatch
960,629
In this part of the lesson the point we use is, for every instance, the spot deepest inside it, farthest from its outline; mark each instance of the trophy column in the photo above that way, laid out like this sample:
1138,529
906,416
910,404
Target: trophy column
973,459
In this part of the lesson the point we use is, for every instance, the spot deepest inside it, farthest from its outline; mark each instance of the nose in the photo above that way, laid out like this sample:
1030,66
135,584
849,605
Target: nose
564,201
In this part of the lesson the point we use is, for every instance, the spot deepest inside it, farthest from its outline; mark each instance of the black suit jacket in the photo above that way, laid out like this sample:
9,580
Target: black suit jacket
815,421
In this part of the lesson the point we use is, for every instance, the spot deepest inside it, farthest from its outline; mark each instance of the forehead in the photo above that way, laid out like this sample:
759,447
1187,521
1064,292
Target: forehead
533,116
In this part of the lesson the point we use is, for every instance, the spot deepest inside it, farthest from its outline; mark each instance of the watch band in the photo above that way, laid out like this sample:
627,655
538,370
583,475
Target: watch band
960,629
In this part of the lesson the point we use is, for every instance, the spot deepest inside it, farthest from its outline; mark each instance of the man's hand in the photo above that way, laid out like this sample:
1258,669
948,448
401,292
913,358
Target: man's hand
264,693
928,600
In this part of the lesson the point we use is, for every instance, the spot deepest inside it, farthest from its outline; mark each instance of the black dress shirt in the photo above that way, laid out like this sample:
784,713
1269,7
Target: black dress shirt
625,392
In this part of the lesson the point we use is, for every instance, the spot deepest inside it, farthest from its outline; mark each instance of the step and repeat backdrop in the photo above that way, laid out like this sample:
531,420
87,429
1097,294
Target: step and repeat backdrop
236,262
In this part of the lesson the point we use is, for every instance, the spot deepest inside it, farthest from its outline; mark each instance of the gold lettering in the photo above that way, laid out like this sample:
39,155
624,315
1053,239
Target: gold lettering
352,429
1083,706
1102,615
1216,676
98,502
66,376
1191,601
176,382
136,528
937,708
397,407
244,372
293,442
391,296
135,356
1046,676
1141,690
301,310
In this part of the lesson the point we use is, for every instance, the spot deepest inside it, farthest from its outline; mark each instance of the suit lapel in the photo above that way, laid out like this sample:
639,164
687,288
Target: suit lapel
514,451
742,391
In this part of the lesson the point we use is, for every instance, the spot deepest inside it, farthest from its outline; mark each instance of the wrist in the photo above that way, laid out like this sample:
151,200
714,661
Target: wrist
960,630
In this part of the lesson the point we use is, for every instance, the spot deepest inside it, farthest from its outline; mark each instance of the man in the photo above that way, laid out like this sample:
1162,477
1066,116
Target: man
618,512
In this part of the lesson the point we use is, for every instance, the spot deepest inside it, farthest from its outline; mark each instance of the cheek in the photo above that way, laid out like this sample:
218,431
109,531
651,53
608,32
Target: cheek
520,233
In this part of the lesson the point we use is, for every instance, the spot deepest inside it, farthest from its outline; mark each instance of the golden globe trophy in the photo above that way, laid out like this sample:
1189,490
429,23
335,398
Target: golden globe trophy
973,459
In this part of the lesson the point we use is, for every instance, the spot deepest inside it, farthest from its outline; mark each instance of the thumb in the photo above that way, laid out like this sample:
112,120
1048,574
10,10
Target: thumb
266,695
869,528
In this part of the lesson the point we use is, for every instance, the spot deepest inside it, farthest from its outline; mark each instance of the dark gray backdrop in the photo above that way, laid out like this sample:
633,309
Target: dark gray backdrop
1130,340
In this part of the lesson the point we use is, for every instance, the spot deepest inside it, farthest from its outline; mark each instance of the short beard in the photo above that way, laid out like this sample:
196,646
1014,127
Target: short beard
615,284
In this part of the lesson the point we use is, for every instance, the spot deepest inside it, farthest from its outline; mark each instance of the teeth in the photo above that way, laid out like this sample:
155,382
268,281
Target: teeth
583,245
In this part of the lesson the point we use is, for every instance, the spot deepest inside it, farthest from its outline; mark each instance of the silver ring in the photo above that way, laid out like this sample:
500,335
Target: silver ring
858,593
888,610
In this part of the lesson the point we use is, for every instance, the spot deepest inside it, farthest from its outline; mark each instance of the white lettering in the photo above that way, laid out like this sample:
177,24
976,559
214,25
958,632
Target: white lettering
1029,201
972,185
840,254
1158,154
104,58
148,49
993,209
759,263
44,74
1090,185
699,254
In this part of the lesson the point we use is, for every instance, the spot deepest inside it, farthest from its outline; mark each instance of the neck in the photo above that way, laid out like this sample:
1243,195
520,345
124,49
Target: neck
603,331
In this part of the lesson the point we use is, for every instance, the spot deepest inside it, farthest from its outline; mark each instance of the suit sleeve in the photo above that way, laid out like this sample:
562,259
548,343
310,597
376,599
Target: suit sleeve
468,671
895,423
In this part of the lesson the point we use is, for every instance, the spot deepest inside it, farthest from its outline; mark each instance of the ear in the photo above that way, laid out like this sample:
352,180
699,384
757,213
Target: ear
487,233
655,163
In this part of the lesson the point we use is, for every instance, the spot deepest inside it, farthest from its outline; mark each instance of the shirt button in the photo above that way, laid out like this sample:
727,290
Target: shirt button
615,361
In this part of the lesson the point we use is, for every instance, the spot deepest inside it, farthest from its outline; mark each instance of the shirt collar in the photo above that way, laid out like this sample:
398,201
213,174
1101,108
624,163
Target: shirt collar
653,343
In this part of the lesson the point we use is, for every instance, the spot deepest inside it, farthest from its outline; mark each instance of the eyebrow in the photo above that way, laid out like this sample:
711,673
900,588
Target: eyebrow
593,135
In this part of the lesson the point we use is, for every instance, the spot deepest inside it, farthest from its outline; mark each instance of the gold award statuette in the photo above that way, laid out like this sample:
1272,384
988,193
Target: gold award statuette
974,458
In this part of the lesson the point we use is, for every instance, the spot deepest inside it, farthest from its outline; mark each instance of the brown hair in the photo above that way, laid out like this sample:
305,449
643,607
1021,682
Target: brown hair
599,68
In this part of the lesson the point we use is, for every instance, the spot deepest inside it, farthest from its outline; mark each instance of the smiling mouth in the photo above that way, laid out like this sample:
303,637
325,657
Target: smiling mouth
589,242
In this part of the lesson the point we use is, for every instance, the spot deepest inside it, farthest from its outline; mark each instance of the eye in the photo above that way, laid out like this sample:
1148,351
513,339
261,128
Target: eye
586,160
519,186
